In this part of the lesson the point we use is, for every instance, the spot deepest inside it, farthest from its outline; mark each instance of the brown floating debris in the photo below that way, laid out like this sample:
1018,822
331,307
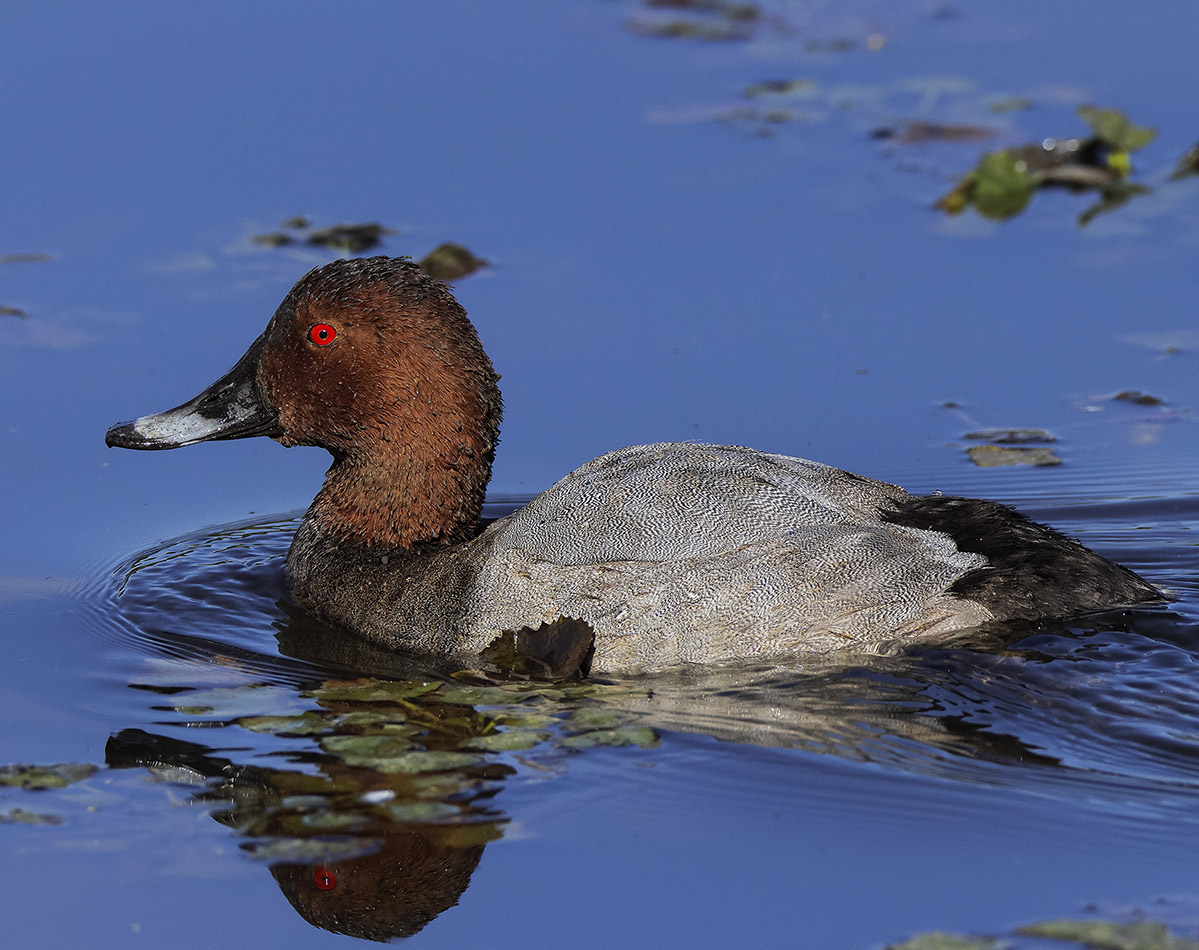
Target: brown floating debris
990,456
1137,398
1011,436
354,238
24,258
274,239
12,312
450,261
920,132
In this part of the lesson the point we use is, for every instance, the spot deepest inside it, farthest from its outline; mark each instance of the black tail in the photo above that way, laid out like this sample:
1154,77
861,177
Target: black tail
1033,572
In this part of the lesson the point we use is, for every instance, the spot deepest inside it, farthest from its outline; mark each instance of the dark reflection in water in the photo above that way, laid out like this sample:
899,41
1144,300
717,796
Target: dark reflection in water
405,874
337,786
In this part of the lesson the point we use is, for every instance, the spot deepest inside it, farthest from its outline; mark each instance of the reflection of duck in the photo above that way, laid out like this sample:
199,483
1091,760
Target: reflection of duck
411,873
671,552
418,872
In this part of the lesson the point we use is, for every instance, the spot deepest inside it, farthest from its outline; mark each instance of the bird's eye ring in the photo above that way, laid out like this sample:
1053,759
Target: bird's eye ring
322,334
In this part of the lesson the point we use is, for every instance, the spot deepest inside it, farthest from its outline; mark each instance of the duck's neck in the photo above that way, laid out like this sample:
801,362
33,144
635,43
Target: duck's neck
402,502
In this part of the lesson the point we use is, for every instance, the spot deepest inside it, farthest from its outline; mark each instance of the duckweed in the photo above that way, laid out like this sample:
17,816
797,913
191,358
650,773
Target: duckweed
1108,935
42,777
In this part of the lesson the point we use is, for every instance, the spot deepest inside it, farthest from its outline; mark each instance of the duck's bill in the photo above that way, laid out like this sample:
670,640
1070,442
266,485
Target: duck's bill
231,408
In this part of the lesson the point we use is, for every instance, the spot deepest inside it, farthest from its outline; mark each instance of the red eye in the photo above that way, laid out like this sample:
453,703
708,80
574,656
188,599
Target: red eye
325,879
322,334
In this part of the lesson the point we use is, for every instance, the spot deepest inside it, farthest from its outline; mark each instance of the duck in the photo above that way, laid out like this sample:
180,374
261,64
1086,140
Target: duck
671,554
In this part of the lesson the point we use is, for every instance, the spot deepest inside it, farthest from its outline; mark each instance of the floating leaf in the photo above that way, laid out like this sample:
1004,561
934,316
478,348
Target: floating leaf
597,717
990,456
311,850
1002,185
1113,127
307,723
1011,104
1137,398
1107,935
353,238
229,701
394,754
419,811
939,940
366,750
641,736
1187,165
20,816
371,690
40,777
512,740
25,258
274,239
332,821
780,87
1011,436
450,261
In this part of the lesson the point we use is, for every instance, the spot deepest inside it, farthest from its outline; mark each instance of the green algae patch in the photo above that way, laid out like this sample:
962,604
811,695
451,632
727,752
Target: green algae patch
1108,935
511,740
939,940
706,20
641,736
420,761
371,690
368,750
308,723
43,777
19,816
1094,934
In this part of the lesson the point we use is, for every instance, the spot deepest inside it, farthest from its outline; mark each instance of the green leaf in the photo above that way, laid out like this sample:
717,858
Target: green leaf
514,740
371,691
1114,128
939,940
642,736
1002,185
40,777
308,723
20,816
1106,935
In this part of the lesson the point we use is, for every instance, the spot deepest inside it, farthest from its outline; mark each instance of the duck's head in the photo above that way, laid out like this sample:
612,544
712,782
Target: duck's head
376,362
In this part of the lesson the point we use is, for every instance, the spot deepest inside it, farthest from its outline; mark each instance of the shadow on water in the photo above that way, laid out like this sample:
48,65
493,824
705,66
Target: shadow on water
371,786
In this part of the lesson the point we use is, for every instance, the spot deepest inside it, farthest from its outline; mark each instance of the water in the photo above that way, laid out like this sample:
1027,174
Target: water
661,270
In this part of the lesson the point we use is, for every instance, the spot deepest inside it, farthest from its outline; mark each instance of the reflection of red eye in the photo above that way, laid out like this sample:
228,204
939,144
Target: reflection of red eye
322,334
325,879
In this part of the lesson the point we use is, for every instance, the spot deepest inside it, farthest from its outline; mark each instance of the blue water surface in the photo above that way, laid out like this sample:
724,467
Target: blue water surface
666,264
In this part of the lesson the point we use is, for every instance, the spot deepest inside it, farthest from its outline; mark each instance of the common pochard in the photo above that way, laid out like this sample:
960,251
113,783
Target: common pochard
672,553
